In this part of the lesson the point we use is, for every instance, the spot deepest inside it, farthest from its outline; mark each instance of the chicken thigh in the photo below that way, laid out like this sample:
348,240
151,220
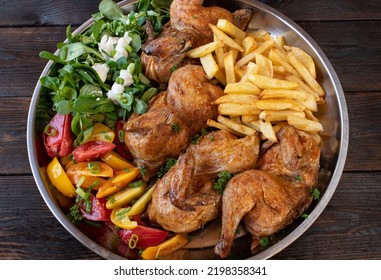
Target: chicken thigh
184,199
174,116
270,198
188,28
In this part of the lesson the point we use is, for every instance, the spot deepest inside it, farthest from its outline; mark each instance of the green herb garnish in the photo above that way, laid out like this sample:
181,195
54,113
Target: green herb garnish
223,179
315,194
168,165
264,241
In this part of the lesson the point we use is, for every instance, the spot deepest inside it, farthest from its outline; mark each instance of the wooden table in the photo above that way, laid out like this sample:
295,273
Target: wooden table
348,31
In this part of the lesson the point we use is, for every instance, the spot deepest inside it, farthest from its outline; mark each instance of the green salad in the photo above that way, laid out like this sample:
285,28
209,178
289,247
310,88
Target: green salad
97,75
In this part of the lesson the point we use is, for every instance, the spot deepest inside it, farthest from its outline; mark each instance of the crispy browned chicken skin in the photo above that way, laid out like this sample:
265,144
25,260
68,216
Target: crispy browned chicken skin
175,115
184,199
188,28
270,198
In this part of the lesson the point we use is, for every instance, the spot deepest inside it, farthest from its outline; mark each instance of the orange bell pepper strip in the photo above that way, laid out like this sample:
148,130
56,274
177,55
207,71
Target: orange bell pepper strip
165,248
114,184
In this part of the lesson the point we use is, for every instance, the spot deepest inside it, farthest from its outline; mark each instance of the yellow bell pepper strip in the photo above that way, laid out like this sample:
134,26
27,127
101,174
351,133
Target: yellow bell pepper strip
116,161
125,196
120,218
101,132
165,248
92,168
59,179
141,203
114,184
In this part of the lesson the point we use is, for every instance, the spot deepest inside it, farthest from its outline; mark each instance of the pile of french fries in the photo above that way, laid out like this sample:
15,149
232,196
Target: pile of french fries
268,84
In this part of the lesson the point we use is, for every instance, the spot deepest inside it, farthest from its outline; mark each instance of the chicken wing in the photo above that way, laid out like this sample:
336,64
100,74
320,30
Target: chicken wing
188,28
175,115
184,199
270,198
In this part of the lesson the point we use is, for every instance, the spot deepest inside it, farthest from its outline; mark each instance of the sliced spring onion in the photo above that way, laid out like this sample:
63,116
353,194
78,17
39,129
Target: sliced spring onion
50,130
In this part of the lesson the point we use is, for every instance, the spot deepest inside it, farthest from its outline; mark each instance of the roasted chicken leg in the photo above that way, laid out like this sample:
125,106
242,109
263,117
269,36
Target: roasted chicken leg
270,198
184,199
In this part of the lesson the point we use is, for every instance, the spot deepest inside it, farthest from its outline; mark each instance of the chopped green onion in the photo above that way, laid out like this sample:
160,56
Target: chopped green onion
121,135
136,184
131,68
50,130
264,242
81,193
144,79
120,215
94,168
80,181
119,81
133,241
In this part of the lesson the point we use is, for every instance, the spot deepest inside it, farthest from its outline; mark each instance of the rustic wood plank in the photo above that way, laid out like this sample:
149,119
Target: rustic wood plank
63,12
28,228
33,12
349,228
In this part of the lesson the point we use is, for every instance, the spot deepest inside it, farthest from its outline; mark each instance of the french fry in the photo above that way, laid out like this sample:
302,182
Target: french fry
317,137
304,58
278,126
279,69
273,104
296,106
210,65
236,119
280,41
259,35
225,38
278,60
304,124
279,116
310,115
220,76
265,66
235,126
260,49
230,29
251,68
254,124
267,130
242,88
233,109
205,49
283,93
249,45
309,103
305,74
271,83
236,98
249,118
303,86
213,123
229,68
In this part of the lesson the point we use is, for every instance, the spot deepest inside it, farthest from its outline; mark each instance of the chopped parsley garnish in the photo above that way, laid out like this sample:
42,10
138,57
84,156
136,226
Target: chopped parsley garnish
264,241
223,179
142,170
194,139
168,165
304,216
299,178
315,193
173,68
74,215
175,127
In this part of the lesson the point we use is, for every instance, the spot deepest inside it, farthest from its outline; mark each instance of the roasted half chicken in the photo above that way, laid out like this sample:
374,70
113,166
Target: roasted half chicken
175,116
273,195
188,28
184,199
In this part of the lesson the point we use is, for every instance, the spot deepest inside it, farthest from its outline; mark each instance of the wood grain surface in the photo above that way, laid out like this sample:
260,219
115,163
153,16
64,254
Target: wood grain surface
346,30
